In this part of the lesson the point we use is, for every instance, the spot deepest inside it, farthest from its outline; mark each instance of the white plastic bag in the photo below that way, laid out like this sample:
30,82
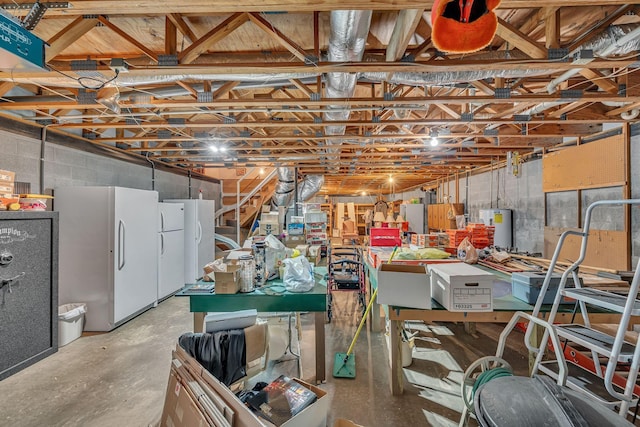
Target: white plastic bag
298,274
275,252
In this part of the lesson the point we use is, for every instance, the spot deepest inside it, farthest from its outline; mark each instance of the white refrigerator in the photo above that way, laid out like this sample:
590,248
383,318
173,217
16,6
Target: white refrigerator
414,215
108,252
199,239
170,249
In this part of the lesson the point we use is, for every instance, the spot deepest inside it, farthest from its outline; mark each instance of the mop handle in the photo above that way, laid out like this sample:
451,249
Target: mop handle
366,312
364,319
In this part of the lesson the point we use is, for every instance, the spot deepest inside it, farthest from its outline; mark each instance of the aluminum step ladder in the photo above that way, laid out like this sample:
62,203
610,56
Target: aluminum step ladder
614,349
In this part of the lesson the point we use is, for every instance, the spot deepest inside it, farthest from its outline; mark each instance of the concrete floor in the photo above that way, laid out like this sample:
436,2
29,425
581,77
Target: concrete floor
119,378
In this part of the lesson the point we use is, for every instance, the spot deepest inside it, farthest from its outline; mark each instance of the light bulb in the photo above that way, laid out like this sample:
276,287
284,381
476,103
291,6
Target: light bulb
261,171
434,141
213,148
223,148
390,179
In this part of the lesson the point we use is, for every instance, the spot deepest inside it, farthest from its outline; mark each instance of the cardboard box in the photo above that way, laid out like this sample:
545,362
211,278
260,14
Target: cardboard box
179,408
233,254
269,218
267,228
462,287
228,282
7,176
314,415
404,286
295,229
293,241
6,188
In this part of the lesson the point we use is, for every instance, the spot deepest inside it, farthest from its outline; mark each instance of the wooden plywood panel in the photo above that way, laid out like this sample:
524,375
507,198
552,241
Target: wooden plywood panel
596,164
438,215
606,248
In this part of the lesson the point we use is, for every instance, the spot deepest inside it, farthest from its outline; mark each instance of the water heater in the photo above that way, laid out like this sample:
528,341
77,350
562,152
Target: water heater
501,220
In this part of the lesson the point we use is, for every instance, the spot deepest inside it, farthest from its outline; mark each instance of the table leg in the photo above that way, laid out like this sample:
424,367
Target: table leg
375,320
320,356
396,359
198,322
470,327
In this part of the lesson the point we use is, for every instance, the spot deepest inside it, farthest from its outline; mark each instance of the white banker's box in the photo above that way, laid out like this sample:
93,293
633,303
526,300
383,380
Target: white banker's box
404,286
461,287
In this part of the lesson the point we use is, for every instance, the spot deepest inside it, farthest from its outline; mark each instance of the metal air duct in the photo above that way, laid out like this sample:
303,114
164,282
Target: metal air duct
349,31
284,192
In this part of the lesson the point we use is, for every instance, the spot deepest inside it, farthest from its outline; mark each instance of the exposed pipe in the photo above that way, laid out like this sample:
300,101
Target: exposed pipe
615,40
153,172
295,191
43,140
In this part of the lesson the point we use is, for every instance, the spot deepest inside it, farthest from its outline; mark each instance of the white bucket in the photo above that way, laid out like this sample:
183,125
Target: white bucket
70,322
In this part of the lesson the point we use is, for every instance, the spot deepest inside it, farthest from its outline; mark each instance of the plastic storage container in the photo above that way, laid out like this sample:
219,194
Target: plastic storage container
70,322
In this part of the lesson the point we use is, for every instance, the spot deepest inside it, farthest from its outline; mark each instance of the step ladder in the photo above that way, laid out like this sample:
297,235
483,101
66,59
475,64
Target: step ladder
607,350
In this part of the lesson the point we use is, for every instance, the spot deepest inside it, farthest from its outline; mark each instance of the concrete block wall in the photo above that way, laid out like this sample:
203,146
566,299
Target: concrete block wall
499,189
66,166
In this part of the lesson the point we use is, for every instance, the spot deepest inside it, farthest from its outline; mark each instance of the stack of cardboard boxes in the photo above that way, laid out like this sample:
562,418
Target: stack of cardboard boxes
7,190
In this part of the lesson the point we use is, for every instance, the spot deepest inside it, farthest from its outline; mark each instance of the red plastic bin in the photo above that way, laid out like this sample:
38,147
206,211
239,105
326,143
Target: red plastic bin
385,237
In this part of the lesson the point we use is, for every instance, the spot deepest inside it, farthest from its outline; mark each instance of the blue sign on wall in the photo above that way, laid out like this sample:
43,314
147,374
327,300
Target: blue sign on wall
19,49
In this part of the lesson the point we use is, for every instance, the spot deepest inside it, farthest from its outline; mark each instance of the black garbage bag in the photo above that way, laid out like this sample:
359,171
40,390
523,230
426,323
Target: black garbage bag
222,353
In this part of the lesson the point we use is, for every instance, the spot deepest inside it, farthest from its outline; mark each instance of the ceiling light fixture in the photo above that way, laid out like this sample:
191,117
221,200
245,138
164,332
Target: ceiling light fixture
434,141
214,148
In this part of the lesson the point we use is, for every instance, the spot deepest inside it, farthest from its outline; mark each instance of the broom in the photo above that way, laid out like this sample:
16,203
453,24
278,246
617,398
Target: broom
344,365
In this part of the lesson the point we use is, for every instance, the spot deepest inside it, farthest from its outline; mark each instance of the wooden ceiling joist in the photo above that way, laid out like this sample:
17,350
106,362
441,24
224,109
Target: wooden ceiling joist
511,34
278,36
68,35
404,29
183,26
218,33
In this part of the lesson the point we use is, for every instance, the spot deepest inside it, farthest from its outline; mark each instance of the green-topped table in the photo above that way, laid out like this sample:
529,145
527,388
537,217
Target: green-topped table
503,309
265,300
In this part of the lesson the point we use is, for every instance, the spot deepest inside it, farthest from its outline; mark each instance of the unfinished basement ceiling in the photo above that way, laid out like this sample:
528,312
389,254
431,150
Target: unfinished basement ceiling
261,81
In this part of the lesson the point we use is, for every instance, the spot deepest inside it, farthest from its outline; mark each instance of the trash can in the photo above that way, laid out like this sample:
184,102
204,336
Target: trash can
70,322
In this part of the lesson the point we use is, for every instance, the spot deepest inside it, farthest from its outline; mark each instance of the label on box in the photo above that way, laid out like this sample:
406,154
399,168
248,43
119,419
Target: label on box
471,299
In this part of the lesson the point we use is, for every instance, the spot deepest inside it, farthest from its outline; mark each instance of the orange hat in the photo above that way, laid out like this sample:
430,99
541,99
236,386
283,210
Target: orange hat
463,26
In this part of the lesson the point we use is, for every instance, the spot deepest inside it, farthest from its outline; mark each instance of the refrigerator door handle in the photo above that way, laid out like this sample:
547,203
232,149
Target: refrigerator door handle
161,221
199,239
122,230
161,243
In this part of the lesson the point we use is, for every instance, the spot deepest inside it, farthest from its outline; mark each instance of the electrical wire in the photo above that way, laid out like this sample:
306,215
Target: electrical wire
79,80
